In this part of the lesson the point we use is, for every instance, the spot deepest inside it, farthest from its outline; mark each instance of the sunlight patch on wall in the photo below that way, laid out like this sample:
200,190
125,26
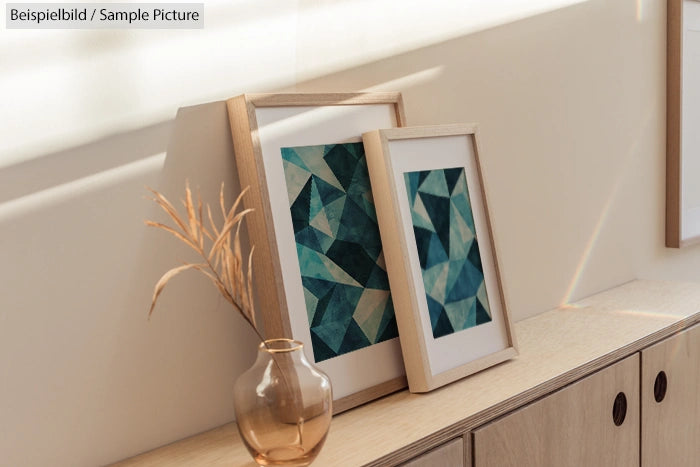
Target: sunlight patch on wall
81,187
61,88
627,168
642,10
413,79
334,35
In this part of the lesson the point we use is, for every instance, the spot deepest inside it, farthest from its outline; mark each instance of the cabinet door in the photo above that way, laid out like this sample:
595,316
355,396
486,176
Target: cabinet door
449,454
671,401
584,424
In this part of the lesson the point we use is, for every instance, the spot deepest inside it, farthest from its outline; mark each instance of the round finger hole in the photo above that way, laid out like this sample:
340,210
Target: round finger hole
660,385
619,411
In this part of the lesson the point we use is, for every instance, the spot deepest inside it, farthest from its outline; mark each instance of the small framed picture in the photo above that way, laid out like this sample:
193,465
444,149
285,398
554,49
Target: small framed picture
440,252
682,120
319,263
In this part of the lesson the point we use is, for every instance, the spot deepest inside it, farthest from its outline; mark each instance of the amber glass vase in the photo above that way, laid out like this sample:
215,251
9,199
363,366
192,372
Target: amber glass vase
283,405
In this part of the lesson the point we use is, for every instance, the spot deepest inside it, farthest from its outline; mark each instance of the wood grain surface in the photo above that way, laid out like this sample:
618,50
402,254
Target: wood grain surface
557,348
571,427
671,427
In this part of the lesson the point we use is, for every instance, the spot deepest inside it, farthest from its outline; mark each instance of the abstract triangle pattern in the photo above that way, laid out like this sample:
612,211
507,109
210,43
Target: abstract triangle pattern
448,250
346,287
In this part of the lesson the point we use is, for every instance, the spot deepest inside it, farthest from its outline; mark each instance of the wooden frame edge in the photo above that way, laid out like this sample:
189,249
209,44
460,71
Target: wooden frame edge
429,131
363,397
320,99
674,86
510,333
248,161
472,367
381,172
249,158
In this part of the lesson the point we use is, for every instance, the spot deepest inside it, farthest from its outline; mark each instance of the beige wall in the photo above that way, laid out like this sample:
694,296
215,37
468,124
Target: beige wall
570,100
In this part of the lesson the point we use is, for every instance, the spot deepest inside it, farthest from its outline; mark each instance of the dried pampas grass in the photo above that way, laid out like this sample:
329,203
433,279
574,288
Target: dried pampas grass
221,262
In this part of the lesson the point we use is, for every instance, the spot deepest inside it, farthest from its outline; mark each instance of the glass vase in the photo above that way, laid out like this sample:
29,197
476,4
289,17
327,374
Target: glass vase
283,405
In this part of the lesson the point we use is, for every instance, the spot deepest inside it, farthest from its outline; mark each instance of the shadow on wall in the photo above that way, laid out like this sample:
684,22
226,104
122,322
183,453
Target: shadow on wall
64,167
219,345
74,304
565,122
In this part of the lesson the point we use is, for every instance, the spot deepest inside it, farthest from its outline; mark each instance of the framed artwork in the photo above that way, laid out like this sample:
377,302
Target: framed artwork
440,252
683,119
319,263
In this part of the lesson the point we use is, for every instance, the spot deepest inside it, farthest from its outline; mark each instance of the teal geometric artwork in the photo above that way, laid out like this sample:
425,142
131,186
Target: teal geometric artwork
448,250
346,287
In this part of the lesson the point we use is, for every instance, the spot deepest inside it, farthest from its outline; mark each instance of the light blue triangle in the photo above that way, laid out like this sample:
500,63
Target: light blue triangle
315,203
435,184
334,214
460,235
462,314
483,298
318,266
311,302
420,216
455,269
435,281
296,179
312,156
370,311
320,222
290,155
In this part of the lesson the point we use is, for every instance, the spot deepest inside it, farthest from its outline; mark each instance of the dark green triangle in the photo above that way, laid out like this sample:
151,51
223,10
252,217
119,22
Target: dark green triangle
435,308
317,287
378,279
438,209
388,328
307,237
422,175
423,237
300,208
474,256
322,304
443,326
356,226
321,350
341,162
467,284
411,179
354,339
327,192
436,253
452,177
352,259
482,315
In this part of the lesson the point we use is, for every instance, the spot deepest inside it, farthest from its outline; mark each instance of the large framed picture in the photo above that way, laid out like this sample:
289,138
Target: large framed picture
319,262
440,252
683,118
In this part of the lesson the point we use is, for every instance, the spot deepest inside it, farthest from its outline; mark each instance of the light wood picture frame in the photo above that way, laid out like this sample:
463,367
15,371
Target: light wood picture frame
682,120
440,252
318,266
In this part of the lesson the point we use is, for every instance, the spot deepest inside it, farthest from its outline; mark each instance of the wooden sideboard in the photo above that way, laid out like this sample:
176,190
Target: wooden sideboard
557,403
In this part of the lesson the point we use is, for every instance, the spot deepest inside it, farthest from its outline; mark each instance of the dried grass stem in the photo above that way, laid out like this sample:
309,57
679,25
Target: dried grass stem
221,262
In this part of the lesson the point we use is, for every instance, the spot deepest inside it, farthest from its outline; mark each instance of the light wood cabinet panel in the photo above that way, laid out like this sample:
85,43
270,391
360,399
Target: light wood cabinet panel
550,406
571,427
671,427
449,454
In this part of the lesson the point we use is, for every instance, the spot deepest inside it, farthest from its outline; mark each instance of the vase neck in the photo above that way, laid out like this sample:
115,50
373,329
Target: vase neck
281,345
282,350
